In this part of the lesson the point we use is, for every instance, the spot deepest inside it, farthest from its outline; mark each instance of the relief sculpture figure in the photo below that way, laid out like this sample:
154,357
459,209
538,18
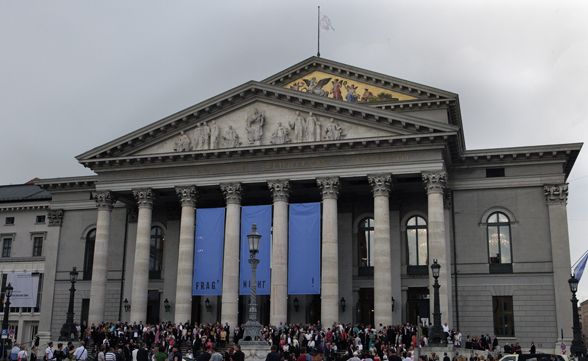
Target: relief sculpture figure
182,144
280,135
310,128
196,145
231,138
204,136
255,127
298,126
333,130
214,135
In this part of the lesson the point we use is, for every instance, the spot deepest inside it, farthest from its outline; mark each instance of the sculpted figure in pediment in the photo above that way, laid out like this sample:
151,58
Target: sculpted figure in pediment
214,132
203,136
254,128
298,125
280,135
311,128
182,144
231,138
333,130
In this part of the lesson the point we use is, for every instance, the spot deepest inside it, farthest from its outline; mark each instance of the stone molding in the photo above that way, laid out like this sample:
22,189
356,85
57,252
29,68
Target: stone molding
232,192
54,217
435,181
104,200
188,195
556,193
144,197
280,189
329,187
380,184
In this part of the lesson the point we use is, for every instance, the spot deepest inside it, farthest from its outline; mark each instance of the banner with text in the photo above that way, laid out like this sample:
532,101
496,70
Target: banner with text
262,217
26,287
304,249
208,252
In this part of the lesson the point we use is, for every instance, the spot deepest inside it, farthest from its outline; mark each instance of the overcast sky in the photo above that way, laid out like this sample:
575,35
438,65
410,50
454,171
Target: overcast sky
77,74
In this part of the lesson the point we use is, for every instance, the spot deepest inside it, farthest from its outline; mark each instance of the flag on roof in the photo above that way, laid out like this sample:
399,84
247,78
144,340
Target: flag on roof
326,23
580,265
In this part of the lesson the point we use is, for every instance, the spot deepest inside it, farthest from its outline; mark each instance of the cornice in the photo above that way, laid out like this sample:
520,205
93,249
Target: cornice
399,143
248,92
55,185
22,207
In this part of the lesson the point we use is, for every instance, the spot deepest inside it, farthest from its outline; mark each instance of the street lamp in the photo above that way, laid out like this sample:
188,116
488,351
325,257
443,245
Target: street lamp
436,332
68,329
166,305
252,328
8,292
126,305
578,347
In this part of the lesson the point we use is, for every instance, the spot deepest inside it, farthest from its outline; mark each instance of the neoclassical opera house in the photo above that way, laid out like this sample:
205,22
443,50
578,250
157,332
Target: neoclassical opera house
356,181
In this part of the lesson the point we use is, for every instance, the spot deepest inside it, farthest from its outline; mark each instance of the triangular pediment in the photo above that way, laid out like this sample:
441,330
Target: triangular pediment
323,77
260,115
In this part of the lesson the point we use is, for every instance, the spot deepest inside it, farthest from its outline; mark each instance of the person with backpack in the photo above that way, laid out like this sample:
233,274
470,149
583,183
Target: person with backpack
23,355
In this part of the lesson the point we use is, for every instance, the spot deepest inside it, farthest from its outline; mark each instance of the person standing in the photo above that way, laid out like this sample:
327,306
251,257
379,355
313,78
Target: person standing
239,355
49,352
274,355
81,354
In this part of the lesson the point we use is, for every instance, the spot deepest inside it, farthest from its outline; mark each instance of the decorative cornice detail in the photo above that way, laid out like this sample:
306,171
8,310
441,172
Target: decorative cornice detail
380,184
104,200
54,217
187,195
232,192
23,208
329,187
556,193
435,181
280,189
144,197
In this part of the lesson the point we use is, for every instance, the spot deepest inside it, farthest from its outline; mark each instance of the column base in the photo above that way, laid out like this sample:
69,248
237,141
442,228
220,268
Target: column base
254,350
44,338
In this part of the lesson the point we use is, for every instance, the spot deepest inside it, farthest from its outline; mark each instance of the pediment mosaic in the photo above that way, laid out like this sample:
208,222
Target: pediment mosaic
262,124
339,88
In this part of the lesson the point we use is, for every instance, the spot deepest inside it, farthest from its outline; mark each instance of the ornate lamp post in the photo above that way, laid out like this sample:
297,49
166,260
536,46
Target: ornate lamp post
436,332
68,329
252,329
8,292
578,347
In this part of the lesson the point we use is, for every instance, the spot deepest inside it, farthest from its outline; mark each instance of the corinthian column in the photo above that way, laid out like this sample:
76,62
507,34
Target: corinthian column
104,202
183,309
279,281
438,247
230,298
382,256
556,197
140,280
330,252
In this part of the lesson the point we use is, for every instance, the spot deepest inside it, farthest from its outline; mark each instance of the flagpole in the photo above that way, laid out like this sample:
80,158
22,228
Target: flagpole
579,259
318,33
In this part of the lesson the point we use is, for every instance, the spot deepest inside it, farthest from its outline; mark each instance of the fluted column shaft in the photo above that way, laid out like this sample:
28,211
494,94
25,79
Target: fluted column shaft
183,305
140,280
382,252
330,252
230,297
435,184
279,281
104,202
556,197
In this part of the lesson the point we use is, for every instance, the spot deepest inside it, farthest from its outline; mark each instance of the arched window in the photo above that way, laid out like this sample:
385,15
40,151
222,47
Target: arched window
417,241
499,251
156,252
89,254
365,243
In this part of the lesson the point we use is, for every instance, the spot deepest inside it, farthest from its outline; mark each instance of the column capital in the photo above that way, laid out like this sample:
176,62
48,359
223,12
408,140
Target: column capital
329,187
104,200
556,193
280,189
144,197
232,192
380,184
187,195
54,217
435,181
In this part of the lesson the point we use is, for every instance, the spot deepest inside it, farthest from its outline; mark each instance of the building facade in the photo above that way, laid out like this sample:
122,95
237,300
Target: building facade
385,158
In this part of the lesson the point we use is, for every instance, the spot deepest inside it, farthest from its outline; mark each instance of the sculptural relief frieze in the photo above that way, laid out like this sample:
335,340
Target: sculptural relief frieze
258,125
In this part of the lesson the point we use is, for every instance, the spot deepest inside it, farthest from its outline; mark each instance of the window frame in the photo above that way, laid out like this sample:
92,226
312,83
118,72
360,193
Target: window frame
37,217
34,237
89,254
11,222
365,270
500,315
416,227
4,238
157,257
496,264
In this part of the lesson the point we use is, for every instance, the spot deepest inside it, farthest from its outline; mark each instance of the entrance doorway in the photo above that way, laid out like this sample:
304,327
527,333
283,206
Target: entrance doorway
418,304
365,306
153,304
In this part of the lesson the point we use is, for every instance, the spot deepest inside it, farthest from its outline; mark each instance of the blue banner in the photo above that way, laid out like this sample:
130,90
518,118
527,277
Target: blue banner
208,252
262,217
304,249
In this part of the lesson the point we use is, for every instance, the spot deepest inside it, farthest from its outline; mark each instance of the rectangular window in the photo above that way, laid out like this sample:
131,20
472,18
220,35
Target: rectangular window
40,219
494,172
6,246
503,316
37,246
9,221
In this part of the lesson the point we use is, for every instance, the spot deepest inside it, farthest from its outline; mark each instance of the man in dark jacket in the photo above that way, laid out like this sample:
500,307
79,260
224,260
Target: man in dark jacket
274,355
